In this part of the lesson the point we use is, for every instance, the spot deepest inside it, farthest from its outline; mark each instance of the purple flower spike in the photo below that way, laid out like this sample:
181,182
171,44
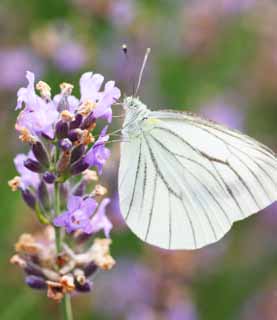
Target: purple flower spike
98,154
78,215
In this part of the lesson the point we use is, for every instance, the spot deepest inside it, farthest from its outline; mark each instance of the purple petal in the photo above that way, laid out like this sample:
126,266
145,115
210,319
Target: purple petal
61,220
89,206
90,84
74,203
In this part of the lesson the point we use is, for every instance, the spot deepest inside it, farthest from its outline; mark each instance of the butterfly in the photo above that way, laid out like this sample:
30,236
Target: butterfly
184,180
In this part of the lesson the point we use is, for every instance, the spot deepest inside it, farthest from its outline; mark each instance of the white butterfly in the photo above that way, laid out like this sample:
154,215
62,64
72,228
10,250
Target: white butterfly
184,180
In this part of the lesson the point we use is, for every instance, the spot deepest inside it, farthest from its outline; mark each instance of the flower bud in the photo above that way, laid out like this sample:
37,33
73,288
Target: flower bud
80,189
64,161
74,135
77,153
90,269
79,167
65,144
33,269
49,177
33,165
35,282
40,153
43,196
89,122
61,129
29,198
77,122
85,287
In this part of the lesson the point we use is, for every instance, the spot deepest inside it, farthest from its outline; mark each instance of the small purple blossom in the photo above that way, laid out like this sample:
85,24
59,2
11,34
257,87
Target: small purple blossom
78,215
28,178
98,154
90,85
38,116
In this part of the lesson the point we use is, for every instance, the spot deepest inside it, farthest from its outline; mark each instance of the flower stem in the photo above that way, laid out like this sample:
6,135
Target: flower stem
67,309
66,302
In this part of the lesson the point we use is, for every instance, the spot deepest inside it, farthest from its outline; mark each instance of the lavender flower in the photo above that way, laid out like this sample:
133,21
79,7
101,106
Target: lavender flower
90,85
13,63
59,132
78,215
71,56
38,116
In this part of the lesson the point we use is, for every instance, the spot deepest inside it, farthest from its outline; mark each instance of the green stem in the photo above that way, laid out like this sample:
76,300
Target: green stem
66,302
67,309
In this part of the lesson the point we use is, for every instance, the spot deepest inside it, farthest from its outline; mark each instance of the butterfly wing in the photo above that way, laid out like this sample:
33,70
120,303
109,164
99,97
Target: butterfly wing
183,183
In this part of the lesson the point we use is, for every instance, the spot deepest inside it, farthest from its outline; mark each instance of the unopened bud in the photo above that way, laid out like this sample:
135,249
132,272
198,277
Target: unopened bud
77,153
49,177
75,135
40,153
61,129
43,196
33,165
35,282
65,144
89,123
85,287
79,167
77,122
29,198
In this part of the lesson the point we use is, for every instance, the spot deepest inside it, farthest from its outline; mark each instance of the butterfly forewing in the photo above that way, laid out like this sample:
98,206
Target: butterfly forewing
184,182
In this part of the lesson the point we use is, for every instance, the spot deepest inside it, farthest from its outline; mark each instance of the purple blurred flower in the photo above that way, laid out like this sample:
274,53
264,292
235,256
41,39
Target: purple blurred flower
38,116
70,56
100,221
122,12
238,6
134,279
28,178
98,154
182,311
223,113
78,215
13,65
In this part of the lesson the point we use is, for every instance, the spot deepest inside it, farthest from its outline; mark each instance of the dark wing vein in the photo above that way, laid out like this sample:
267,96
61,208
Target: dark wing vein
135,183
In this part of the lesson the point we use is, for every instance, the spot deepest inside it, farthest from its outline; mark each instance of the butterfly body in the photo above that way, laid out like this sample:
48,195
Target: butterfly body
184,180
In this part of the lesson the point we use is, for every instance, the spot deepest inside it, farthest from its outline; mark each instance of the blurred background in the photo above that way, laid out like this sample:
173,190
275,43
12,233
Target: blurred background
215,57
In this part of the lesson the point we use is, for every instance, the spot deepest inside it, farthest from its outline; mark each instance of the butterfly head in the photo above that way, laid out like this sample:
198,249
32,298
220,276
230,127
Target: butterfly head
133,104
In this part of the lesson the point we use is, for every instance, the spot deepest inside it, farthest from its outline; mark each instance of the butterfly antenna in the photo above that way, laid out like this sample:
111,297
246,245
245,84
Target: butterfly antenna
130,76
148,50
